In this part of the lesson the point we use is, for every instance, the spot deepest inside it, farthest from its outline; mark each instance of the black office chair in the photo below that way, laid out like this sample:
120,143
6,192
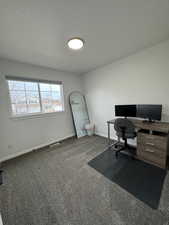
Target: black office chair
124,129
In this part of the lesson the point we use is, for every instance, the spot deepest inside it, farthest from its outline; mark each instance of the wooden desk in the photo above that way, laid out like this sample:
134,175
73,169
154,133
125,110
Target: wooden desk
152,141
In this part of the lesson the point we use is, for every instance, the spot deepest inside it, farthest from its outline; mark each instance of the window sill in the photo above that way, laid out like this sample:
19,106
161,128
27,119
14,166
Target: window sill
36,115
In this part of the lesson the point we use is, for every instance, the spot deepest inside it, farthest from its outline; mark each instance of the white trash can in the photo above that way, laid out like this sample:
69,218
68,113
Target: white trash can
89,129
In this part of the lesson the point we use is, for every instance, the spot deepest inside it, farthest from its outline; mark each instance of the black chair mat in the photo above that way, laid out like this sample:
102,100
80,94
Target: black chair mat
141,179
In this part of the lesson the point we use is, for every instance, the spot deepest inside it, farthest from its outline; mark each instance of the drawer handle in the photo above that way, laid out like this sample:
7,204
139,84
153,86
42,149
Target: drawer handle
148,143
149,150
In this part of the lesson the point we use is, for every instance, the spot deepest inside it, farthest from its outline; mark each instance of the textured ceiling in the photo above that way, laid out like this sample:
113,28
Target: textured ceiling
36,31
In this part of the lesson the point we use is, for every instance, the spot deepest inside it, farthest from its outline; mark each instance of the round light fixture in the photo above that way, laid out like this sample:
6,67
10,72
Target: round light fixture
75,43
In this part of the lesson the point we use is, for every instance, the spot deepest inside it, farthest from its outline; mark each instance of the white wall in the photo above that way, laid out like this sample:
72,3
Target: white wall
142,78
19,135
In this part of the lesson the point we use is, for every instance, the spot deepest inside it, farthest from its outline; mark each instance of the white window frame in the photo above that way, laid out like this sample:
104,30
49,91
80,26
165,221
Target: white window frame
38,81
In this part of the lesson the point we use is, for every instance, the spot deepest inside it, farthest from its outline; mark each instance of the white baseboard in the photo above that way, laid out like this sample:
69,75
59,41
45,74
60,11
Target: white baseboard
104,135
17,154
101,134
114,138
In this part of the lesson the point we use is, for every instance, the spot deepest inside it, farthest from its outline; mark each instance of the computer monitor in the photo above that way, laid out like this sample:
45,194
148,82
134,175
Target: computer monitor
125,110
150,112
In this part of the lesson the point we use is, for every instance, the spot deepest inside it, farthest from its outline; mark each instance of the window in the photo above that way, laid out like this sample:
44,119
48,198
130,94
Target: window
32,96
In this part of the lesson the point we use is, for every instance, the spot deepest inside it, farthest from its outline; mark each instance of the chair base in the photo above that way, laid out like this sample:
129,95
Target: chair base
123,148
118,151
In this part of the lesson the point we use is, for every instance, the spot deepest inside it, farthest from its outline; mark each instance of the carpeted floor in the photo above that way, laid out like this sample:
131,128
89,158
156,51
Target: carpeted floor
56,186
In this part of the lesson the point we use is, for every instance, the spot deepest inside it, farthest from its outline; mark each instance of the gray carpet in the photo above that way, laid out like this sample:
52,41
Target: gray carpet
56,186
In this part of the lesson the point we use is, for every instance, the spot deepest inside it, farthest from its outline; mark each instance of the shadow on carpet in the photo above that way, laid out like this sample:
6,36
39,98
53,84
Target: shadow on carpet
142,180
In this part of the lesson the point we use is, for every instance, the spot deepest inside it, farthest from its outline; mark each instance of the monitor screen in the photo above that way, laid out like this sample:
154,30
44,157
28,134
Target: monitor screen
125,110
151,112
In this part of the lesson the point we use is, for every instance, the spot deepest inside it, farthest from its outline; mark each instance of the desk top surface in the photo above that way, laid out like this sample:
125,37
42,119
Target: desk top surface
156,126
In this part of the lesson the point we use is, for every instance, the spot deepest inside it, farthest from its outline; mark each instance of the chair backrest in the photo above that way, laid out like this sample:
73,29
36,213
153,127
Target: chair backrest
124,127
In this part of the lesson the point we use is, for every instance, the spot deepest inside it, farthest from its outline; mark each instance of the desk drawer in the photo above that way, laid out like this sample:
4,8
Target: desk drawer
155,141
151,150
152,155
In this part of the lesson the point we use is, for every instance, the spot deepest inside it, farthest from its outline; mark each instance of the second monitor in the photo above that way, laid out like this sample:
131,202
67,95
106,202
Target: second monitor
147,111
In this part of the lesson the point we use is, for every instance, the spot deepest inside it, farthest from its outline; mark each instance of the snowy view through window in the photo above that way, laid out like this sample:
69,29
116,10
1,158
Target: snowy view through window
35,97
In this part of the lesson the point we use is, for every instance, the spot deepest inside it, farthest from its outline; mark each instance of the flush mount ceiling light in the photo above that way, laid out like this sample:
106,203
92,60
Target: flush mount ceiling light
75,43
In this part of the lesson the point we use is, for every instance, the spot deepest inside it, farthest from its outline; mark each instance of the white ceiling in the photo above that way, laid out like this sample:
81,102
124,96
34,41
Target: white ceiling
36,31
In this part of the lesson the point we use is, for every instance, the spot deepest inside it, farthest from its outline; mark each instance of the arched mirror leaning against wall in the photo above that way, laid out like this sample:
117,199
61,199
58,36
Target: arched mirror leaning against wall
79,113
